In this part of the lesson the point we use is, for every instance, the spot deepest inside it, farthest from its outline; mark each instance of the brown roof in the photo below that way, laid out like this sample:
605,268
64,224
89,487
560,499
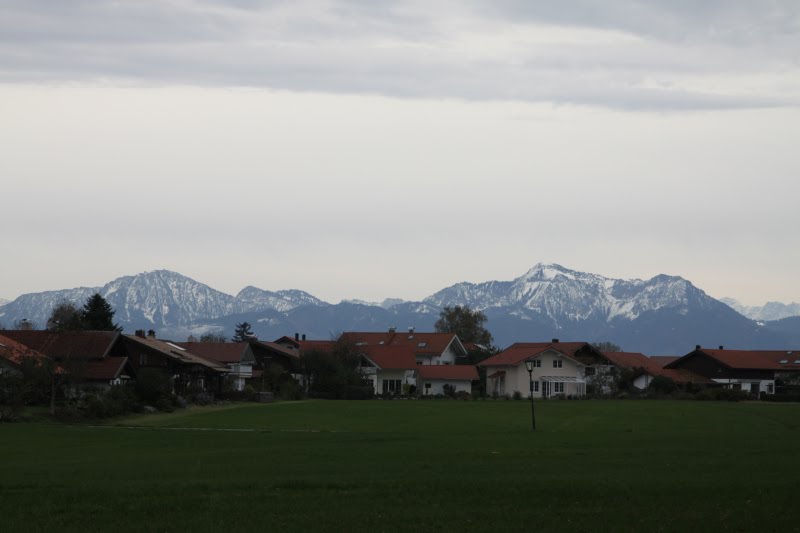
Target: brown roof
423,344
66,344
15,353
518,352
105,369
177,353
449,372
664,360
630,359
737,359
280,348
222,352
390,357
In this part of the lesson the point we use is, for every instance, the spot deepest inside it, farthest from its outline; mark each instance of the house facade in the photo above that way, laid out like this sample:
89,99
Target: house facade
237,356
432,380
752,371
555,372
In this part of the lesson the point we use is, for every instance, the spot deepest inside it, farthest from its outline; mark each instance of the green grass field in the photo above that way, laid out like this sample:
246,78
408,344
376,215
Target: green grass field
411,466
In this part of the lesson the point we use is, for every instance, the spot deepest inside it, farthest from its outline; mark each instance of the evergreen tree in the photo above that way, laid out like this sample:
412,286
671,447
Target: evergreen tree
98,315
243,332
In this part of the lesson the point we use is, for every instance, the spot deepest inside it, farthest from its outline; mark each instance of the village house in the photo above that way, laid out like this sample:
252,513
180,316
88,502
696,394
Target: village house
88,358
645,369
428,348
237,356
558,369
186,369
753,371
432,380
389,369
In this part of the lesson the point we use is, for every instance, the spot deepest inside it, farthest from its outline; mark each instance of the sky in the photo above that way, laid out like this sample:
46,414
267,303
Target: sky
368,150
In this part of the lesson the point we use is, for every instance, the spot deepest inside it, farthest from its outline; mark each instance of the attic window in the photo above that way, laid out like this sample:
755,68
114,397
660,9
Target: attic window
3,345
381,342
361,344
422,345
784,361
797,361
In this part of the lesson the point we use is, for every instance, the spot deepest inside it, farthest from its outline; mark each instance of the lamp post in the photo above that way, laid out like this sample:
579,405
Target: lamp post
529,366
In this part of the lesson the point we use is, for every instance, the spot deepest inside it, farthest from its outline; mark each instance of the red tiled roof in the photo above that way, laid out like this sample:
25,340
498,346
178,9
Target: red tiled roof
14,352
322,346
390,357
630,359
663,360
424,344
518,352
221,352
290,352
737,359
105,369
177,353
66,344
449,372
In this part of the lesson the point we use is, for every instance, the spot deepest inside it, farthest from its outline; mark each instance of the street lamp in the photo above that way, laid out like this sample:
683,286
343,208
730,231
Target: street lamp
529,366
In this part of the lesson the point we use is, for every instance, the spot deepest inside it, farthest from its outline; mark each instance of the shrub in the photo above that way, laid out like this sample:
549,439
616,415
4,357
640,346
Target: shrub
152,384
662,385
722,394
517,395
165,405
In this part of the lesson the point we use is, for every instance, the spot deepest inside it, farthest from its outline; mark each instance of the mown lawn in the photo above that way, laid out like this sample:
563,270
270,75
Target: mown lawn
412,466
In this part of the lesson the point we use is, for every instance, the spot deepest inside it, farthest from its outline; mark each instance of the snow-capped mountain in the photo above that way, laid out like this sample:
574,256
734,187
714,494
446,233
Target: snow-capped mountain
768,311
158,299
665,314
3,302
564,295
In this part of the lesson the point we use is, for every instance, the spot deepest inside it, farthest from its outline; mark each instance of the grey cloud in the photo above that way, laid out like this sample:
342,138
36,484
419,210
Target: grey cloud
401,49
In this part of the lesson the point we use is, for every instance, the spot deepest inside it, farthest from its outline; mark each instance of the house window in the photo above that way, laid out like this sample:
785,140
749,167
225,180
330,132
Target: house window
557,363
589,371
535,386
392,386
537,363
770,388
142,359
559,387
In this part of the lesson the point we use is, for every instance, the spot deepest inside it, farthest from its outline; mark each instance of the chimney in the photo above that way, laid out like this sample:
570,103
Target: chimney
139,333
392,329
555,341
411,329
151,334
697,347
304,336
721,347
297,336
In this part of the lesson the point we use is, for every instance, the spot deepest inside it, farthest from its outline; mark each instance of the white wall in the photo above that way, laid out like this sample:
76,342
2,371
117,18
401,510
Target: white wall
437,386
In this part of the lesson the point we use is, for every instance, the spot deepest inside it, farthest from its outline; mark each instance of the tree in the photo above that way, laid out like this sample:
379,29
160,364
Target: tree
24,324
65,317
606,346
98,315
243,332
336,374
469,325
213,337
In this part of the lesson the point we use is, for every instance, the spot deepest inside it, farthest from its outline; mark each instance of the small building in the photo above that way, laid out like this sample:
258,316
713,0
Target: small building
646,368
237,356
389,369
753,371
432,379
429,348
556,370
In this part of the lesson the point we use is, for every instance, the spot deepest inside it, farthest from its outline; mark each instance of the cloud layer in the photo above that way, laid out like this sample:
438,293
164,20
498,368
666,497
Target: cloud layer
664,55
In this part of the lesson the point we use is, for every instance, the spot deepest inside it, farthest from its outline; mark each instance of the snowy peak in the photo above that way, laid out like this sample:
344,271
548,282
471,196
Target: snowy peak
562,295
252,299
766,312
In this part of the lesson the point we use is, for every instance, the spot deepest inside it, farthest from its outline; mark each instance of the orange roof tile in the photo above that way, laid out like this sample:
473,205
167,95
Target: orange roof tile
449,372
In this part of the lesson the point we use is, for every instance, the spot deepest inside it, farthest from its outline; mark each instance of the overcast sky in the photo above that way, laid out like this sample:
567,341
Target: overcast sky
389,149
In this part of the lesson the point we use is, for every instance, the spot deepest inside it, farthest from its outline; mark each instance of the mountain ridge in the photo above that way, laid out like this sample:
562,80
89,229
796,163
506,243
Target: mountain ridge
663,314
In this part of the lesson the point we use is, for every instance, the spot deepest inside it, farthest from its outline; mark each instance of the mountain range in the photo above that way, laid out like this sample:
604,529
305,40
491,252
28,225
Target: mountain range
766,312
662,315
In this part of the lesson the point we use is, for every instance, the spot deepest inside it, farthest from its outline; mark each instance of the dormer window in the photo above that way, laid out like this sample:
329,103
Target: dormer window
422,344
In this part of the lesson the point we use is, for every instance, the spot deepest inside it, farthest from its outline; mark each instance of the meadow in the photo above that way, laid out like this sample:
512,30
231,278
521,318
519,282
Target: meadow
411,466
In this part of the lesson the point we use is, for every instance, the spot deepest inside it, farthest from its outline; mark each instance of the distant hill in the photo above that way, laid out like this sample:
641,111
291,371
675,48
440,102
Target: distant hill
661,315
